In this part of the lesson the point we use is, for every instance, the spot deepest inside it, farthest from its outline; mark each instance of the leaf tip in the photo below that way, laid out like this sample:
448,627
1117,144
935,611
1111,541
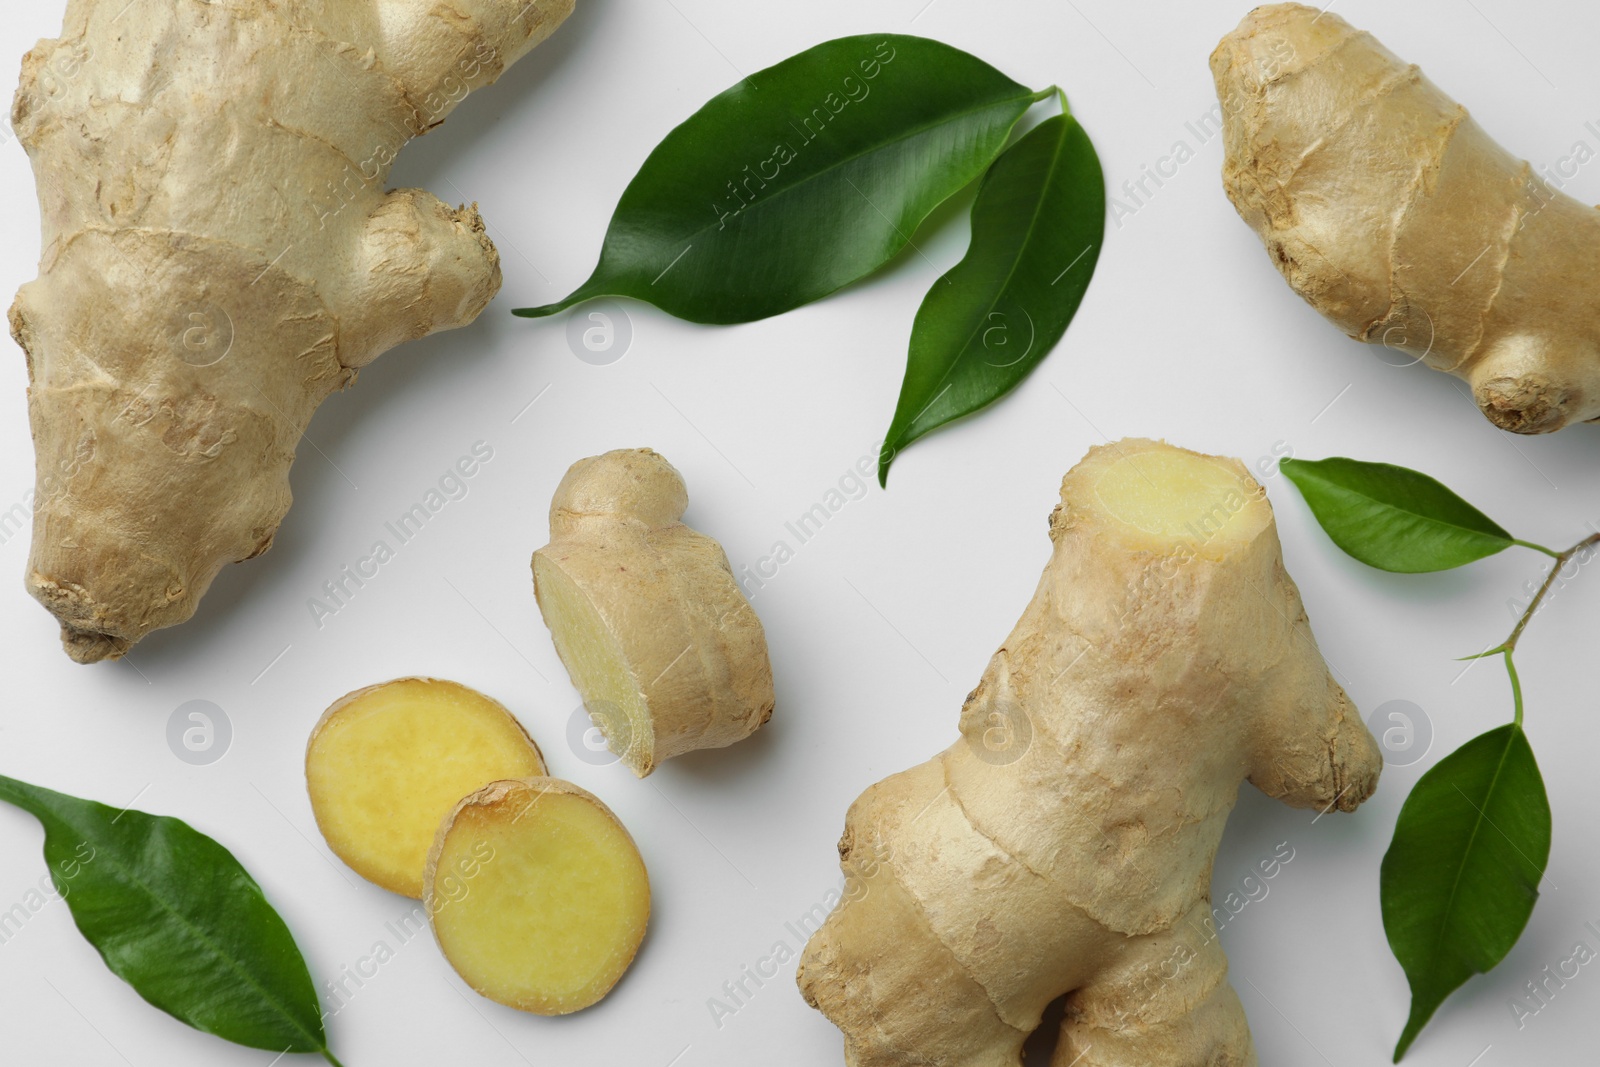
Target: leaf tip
538,312
886,457
1415,1021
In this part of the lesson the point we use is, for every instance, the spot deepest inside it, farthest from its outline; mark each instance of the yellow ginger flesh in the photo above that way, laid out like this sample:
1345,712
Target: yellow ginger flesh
387,763
537,895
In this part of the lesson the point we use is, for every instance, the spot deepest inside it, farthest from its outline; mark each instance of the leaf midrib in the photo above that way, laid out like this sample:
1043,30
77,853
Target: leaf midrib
1033,222
200,934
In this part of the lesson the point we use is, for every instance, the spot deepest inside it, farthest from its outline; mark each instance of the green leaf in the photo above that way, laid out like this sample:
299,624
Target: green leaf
802,178
1462,873
1037,227
175,916
1394,518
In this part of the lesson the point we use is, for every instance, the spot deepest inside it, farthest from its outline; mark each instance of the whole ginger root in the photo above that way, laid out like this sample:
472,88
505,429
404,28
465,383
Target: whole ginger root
1064,844
1394,215
219,254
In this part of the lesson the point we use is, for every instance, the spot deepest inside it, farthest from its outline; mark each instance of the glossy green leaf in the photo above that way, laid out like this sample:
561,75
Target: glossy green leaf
1037,227
802,178
1394,518
1462,873
175,916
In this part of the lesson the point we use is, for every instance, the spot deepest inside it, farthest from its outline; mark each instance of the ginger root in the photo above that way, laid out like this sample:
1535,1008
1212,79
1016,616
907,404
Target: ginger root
220,252
537,895
646,615
1064,844
1394,215
387,763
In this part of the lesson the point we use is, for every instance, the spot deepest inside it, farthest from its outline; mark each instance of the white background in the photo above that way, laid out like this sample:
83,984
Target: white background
883,621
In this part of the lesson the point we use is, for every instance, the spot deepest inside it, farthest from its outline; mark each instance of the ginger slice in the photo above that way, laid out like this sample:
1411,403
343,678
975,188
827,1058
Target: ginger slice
387,763
537,895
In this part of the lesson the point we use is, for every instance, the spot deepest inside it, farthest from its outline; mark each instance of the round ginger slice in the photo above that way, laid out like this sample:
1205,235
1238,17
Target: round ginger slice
387,763
537,895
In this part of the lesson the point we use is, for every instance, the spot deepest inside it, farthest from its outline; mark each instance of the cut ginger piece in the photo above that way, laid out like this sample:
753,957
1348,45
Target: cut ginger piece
387,763
537,895
646,614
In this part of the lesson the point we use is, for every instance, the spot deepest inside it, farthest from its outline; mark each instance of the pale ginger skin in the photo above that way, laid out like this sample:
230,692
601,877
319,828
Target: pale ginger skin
1064,844
1393,214
219,254
646,614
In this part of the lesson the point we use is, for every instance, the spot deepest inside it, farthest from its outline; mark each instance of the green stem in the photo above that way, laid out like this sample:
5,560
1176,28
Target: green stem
1552,553
1516,688
331,1058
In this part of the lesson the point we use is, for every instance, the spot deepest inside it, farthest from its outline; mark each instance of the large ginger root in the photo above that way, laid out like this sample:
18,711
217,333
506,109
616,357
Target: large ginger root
1393,214
387,763
1065,843
220,253
537,895
646,615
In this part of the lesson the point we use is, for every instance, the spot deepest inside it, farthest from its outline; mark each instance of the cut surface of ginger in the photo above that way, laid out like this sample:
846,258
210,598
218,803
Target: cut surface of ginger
595,662
1164,497
387,763
537,895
